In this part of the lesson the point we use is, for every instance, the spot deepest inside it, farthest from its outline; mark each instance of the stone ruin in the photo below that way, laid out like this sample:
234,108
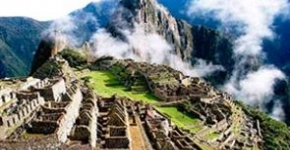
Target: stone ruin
77,116
37,102
52,89
86,124
58,117
215,110
73,114
165,135
15,112
164,82
114,123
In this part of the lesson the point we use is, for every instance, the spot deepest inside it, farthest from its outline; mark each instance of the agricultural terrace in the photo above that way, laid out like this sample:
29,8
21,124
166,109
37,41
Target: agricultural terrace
106,84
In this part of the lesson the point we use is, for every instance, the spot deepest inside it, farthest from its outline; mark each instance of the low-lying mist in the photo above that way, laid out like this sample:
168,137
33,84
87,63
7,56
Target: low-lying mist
252,80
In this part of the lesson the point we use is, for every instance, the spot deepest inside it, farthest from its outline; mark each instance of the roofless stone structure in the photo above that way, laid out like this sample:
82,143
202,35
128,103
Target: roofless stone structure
68,114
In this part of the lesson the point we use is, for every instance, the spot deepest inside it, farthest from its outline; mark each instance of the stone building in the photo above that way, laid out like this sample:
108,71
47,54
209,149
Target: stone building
165,136
58,117
14,115
85,128
115,125
52,90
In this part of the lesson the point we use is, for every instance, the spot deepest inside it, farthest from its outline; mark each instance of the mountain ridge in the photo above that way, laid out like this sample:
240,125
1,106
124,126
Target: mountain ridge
189,42
23,35
215,119
15,35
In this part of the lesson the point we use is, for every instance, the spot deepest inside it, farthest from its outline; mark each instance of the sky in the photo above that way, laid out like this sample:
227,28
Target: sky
41,10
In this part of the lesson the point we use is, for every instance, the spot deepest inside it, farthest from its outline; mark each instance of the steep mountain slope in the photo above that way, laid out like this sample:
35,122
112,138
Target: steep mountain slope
277,49
278,52
190,42
10,63
19,38
87,20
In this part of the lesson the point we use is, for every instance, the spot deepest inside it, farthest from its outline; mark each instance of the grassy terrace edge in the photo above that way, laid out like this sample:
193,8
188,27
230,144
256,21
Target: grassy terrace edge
106,84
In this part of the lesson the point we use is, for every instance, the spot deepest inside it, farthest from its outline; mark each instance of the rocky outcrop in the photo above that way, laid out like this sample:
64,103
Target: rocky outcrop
42,54
190,42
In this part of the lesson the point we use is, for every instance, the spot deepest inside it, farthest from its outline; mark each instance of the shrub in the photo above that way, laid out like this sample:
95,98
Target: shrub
73,57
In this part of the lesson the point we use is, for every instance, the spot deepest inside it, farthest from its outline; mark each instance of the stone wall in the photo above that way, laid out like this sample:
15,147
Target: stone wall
117,143
85,128
70,117
164,135
44,127
53,91
58,89
28,95
15,119
60,116
6,97
30,81
114,120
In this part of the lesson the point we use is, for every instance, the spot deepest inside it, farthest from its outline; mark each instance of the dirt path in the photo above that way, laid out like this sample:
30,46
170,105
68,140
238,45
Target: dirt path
137,139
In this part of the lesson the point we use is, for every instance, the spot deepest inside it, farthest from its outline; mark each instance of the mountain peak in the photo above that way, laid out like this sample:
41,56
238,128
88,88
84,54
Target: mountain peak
133,4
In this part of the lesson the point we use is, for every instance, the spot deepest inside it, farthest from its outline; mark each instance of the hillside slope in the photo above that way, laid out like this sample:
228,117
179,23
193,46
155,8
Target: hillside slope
19,38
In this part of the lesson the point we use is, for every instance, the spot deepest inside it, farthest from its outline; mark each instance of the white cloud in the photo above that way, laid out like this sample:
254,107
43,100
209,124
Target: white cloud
252,21
105,45
141,46
278,112
147,47
256,88
41,9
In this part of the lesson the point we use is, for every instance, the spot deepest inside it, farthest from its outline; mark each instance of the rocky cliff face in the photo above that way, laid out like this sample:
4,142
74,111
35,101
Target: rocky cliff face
189,42
42,54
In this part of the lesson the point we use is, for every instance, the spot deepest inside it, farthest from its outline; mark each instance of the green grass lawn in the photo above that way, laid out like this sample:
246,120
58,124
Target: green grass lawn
185,121
195,129
179,118
212,136
106,84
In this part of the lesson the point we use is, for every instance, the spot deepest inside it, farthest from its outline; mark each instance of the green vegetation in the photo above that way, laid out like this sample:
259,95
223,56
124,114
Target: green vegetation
276,134
10,64
48,69
106,84
212,136
74,58
182,120
19,38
